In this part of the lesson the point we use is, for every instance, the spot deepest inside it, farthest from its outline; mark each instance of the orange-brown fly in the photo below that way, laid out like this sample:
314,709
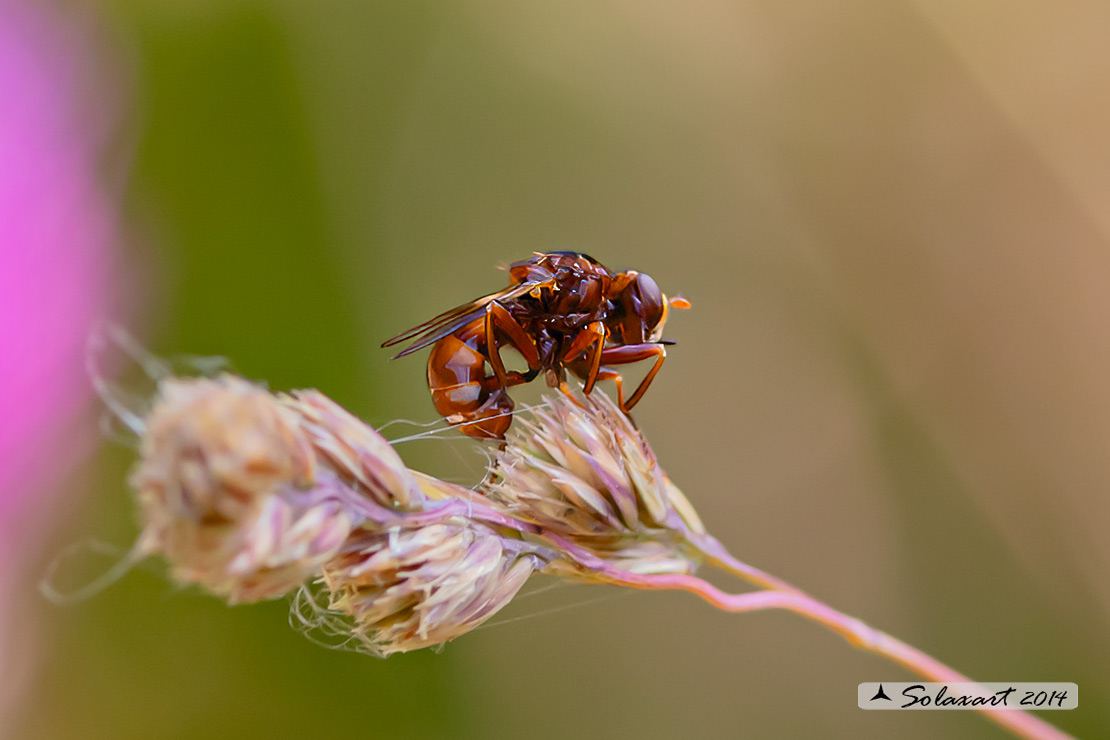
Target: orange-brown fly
562,311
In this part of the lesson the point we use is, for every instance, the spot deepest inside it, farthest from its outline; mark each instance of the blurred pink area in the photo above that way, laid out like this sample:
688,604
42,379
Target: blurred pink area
57,234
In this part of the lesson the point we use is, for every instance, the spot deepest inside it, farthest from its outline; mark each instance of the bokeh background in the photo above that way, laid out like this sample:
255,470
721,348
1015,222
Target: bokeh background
893,221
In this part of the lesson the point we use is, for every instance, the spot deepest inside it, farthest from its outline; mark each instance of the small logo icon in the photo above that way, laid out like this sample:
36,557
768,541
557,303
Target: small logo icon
880,694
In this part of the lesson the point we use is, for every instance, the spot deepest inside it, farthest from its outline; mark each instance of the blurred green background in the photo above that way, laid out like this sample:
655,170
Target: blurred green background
893,390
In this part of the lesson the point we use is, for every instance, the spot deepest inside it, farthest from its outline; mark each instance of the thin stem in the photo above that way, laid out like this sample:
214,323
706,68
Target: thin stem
853,630
719,557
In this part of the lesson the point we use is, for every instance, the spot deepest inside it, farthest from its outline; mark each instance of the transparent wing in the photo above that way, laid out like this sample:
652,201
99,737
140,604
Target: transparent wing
453,319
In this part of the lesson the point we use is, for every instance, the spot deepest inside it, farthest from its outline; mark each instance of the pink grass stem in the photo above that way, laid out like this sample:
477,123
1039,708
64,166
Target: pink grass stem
719,557
856,632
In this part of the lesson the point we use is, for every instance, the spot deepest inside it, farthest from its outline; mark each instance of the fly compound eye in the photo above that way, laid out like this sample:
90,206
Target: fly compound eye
652,303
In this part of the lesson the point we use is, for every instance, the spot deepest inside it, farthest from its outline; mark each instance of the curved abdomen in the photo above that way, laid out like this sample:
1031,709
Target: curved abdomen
461,391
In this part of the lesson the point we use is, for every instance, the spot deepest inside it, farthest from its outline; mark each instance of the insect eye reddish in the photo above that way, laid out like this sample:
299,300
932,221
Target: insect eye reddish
651,299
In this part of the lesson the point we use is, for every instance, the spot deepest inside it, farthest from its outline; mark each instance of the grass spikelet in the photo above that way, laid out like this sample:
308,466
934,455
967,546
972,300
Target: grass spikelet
357,453
225,484
415,588
585,473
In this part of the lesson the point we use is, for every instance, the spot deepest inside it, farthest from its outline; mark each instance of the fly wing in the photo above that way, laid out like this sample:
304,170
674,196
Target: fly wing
435,333
448,322
437,322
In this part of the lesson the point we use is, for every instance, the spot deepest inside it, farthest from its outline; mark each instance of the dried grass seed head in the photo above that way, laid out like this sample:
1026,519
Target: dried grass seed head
356,452
226,489
584,472
413,588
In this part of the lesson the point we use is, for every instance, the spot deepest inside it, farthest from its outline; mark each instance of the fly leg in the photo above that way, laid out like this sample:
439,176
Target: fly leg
629,353
608,373
593,335
498,316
